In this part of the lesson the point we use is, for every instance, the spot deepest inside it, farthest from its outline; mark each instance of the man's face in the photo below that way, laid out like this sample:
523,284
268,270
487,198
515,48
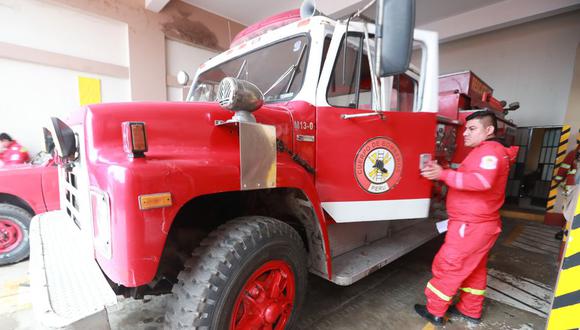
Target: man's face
476,132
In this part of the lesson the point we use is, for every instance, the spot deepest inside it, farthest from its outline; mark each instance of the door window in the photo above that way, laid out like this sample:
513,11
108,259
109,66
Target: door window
350,84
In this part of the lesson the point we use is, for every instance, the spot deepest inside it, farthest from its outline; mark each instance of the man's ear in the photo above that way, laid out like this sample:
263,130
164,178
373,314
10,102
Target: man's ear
490,130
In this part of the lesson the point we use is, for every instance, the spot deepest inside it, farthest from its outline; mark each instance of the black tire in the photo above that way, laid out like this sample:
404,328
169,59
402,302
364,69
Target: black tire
218,270
19,220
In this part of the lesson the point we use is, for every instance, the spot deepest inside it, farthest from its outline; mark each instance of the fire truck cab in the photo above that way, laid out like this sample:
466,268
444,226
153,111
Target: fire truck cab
316,168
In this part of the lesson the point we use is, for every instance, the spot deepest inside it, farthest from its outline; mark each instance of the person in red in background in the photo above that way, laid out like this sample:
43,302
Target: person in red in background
11,152
567,177
476,193
567,173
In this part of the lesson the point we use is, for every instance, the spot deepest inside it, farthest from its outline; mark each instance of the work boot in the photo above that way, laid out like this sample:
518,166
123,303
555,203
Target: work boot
455,312
422,310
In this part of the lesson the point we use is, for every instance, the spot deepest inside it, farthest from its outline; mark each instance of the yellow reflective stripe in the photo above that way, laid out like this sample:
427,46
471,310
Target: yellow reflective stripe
564,318
438,293
564,165
474,291
572,172
557,177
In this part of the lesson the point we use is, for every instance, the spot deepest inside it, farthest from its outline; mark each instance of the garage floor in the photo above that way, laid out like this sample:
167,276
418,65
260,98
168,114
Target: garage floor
523,272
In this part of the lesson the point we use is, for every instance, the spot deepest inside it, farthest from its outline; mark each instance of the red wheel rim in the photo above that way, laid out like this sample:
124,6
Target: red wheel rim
267,299
10,235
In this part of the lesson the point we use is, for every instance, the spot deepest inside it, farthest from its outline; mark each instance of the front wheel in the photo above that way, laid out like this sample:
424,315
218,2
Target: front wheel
14,223
249,273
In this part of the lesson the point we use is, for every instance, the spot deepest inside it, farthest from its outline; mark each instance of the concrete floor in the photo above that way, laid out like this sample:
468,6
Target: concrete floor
524,271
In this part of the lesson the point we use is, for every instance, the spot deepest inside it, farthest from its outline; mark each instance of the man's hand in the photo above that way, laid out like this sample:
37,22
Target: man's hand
432,171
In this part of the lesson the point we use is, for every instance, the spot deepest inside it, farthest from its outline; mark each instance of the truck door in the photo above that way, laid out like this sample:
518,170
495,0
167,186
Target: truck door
368,165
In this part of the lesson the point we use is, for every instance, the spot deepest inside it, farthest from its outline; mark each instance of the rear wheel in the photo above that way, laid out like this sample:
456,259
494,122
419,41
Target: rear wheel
14,224
248,274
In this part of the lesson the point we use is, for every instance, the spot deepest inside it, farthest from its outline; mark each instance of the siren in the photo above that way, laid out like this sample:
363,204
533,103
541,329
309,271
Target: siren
308,9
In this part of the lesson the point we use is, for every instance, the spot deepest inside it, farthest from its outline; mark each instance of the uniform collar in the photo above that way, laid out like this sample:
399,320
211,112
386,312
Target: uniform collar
488,142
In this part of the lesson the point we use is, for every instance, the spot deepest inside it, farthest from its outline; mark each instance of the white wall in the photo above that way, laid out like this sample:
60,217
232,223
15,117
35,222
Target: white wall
531,63
31,93
55,28
181,56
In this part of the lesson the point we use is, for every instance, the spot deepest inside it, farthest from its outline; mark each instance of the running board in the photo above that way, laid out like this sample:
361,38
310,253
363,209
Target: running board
361,262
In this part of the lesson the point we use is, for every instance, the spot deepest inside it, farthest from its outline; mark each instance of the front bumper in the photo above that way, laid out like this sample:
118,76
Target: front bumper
68,287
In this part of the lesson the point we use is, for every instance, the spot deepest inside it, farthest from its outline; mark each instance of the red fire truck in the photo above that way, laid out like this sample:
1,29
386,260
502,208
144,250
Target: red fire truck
294,153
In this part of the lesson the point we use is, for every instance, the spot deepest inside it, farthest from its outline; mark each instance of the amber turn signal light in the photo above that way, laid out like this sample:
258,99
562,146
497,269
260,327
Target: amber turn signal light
134,139
154,201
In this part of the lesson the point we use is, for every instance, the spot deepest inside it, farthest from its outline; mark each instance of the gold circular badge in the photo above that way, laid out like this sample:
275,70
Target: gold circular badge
378,165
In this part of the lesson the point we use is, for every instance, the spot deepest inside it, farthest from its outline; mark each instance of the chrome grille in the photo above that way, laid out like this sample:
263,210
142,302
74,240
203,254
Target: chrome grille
72,187
71,193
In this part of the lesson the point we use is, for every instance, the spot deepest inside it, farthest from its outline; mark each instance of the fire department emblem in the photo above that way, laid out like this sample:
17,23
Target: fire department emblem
378,165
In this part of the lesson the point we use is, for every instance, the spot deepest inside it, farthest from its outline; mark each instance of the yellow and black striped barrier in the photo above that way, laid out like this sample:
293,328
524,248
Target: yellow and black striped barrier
562,147
565,313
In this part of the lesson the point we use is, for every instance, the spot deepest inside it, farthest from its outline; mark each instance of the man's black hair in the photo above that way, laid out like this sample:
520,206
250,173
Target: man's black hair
5,137
485,114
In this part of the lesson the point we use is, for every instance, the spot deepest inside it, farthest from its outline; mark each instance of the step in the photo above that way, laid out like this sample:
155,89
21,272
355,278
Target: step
68,287
358,263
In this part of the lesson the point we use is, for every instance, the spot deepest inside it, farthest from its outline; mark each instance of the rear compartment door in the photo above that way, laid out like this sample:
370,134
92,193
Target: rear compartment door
368,167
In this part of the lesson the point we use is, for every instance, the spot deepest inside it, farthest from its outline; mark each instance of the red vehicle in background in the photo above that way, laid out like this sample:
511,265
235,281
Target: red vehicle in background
25,190
462,93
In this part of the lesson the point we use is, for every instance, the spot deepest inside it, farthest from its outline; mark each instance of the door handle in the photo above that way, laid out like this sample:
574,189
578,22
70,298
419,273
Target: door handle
367,114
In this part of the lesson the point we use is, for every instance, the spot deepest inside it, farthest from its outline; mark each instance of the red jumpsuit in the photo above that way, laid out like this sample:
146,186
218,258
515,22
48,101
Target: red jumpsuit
14,154
566,173
476,193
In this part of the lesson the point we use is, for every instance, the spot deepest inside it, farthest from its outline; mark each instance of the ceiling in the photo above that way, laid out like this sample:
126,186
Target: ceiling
453,19
255,10
252,12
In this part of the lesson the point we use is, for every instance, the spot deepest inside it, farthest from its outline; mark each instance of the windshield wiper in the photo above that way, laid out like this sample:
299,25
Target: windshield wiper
241,69
292,69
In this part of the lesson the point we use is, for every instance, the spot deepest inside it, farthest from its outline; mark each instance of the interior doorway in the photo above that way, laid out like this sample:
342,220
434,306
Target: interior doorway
530,178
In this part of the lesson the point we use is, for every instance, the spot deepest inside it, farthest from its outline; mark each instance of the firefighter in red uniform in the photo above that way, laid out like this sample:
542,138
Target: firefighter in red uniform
476,193
567,177
566,173
11,152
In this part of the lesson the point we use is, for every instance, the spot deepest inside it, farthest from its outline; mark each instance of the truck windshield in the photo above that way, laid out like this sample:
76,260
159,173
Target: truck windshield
277,69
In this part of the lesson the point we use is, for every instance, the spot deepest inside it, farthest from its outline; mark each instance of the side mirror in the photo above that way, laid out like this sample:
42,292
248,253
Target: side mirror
64,138
394,41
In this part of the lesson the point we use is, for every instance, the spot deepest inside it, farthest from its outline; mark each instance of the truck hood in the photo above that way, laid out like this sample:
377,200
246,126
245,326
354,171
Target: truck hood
172,127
